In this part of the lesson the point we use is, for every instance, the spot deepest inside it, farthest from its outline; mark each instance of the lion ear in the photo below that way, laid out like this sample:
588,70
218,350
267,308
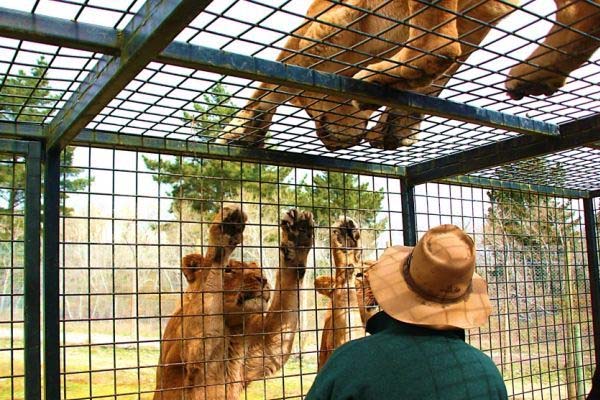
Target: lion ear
190,266
324,285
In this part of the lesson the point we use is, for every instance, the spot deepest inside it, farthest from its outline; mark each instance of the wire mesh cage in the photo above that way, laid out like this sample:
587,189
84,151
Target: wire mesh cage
12,242
381,118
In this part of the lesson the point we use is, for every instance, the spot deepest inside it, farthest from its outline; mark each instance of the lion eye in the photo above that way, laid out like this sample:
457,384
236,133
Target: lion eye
228,270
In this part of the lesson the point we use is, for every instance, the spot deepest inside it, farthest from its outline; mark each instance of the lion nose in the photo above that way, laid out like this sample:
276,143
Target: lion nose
261,280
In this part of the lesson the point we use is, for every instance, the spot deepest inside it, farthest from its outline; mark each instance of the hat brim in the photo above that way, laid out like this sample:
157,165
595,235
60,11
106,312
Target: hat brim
398,300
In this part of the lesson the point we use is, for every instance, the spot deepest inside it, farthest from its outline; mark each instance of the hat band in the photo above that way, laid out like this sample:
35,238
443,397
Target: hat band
428,296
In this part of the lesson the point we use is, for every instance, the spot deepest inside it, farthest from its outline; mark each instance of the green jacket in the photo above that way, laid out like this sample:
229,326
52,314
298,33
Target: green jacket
403,361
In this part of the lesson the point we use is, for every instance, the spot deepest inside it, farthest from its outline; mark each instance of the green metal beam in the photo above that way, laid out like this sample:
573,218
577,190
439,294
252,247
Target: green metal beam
31,279
98,138
21,130
213,60
208,59
150,30
487,183
572,134
208,150
40,28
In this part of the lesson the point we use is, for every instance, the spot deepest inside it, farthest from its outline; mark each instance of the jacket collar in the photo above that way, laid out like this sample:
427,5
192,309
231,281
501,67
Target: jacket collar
383,322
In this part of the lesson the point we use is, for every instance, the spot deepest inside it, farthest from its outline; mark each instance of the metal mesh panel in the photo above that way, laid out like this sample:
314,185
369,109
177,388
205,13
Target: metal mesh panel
155,102
124,237
123,240
531,251
12,215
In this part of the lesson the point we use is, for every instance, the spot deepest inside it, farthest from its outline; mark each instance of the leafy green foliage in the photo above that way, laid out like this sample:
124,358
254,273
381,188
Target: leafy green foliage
532,219
204,183
28,97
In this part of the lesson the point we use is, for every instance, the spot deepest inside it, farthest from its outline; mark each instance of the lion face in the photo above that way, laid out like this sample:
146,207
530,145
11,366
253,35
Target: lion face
246,289
367,304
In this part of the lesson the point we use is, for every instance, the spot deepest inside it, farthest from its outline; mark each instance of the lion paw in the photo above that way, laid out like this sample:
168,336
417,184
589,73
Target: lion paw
247,129
394,129
537,83
345,243
228,226
345,234
297,234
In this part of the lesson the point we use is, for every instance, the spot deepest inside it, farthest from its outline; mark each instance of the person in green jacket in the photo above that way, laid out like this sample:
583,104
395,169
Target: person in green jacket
429,295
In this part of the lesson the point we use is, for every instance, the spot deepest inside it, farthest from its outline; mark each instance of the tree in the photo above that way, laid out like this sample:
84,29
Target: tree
204,183
28,97
198,186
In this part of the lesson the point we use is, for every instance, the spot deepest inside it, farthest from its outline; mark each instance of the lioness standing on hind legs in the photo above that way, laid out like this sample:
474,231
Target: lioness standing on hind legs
222,338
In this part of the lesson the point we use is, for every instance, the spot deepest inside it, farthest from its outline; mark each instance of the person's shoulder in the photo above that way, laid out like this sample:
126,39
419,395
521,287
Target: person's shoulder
353,349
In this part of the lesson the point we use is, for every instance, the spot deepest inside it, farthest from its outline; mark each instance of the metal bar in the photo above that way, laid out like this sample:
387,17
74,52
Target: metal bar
591,240
150,30
122,141
14,146
214,60
572,134
409,216
222,62
32,272
488,183
51,275
21,130
90,137
59,32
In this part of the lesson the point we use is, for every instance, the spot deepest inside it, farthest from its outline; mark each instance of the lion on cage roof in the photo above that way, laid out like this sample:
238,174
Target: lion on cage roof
363,39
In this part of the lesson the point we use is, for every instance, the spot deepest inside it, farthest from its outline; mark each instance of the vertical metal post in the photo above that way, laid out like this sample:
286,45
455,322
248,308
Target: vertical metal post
409,216
32,272
591,239
51,275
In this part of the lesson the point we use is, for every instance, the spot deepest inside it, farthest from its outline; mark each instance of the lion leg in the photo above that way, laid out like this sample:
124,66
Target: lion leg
431,48
564,50
345,244
202,317
251,123
271,336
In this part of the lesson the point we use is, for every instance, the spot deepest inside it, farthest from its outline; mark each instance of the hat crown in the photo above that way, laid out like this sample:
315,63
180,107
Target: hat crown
442,264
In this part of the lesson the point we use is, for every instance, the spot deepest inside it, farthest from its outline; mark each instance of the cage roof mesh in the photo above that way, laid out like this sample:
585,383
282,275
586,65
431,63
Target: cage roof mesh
156,102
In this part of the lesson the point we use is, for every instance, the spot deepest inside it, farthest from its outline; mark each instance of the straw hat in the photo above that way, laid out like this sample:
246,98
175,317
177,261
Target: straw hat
433,283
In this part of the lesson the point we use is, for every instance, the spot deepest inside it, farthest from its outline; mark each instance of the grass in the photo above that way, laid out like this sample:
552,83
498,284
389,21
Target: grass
99,379
128,372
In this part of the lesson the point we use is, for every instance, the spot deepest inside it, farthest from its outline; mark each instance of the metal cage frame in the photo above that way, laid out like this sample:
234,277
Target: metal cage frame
120,54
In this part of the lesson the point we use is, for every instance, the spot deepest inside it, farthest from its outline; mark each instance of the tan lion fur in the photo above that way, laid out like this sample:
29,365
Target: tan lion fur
350,302
436,41
319,44
223,337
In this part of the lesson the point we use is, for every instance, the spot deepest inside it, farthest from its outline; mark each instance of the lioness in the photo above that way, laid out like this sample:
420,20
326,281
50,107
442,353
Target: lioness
351,301
223,336
411,55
